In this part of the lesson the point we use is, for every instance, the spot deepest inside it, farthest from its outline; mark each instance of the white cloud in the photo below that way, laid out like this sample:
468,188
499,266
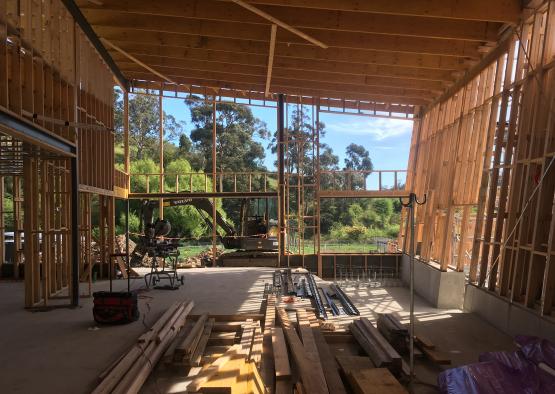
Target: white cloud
379,128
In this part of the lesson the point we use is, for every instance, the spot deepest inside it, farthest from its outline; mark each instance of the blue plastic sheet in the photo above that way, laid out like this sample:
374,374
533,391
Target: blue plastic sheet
505,372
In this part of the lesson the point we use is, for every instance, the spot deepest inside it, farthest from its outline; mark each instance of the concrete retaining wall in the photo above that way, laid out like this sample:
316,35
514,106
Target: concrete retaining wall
441,289
512,319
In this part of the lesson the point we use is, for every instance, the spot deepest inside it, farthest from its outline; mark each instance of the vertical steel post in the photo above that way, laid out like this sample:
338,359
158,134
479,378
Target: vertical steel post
74,232
281,175
127,261
214,222
411,344
161,160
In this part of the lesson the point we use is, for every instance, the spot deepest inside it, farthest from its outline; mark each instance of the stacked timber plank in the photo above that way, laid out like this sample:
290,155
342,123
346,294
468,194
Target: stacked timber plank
375,345
130,372
398,336
395,332
234,370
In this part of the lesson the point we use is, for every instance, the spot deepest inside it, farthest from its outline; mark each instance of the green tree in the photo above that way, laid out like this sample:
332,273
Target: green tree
357,158
236,129
236,147
144,125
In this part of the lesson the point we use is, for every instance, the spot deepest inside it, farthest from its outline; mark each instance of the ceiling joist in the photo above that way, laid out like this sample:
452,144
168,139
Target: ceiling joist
135,60
346,21
506,11
273,33
254,33
280,23
389,51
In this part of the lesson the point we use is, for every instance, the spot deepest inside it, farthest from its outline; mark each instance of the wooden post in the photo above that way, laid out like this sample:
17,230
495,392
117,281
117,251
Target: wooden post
161,161
18,225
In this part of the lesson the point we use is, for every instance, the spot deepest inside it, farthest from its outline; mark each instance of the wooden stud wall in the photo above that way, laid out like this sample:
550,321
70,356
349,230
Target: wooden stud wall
95,106
450,147
47,233
51,75
43,56
485,160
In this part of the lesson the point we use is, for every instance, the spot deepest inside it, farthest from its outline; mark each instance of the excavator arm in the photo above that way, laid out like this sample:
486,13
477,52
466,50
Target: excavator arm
204,204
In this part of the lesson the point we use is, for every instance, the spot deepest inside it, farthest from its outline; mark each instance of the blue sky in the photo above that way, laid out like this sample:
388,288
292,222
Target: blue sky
387,140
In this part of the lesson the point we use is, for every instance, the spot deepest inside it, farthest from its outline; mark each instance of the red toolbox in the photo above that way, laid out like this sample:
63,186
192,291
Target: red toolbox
115,307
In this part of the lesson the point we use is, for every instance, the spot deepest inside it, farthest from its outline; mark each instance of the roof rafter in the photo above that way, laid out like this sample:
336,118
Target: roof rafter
224,79
288,90
168,54
346,40
121,35
270,59
506,11
280,23
318,19
183,66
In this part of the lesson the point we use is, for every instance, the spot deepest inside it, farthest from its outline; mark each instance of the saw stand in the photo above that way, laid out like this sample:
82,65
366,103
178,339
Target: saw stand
169,273
410,205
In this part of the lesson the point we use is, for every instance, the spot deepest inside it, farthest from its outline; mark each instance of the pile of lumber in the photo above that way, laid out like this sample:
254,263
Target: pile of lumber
430,350
380,351
316,366
130,371
398,336
305,359
395,332
235,369
188,347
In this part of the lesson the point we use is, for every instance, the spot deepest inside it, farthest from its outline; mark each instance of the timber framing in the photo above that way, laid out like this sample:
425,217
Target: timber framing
389,53
56,125
476,78
484,153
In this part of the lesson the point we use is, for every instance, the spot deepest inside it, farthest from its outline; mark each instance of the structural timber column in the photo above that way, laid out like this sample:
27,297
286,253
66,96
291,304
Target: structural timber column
74,232
281,176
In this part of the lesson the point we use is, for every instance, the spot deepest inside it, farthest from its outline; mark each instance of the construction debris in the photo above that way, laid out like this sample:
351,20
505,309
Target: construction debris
132,370
204,258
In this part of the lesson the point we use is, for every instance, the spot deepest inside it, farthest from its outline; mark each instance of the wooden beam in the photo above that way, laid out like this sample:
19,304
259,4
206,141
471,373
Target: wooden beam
281,358
370,108
182,43
204,58
334,20
501,48
319,91
86,28
311,350
278,22
507,11
334,39
135,60
178,66
270,59
224,79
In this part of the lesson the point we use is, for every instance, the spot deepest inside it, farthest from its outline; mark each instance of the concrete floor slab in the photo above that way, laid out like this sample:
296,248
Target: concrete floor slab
63,350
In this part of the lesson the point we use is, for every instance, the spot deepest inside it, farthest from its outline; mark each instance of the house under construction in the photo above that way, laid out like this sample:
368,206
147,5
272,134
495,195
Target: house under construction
472,269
